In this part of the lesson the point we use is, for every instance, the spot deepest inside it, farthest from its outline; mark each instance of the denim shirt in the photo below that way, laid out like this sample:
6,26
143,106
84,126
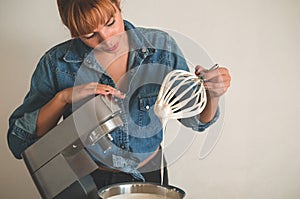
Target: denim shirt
153,54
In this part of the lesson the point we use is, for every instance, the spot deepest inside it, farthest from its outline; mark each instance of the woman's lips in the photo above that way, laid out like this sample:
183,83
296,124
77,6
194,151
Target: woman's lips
112,48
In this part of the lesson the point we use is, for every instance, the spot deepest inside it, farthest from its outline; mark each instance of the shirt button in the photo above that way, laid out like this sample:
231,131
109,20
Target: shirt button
144,50
147,107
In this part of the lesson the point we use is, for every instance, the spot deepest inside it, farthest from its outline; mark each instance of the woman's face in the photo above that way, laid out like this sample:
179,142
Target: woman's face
108,35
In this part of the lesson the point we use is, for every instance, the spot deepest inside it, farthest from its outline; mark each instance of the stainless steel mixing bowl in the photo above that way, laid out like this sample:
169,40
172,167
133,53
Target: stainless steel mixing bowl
127,189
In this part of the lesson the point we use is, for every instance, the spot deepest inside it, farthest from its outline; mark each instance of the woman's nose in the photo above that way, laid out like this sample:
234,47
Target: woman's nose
104,35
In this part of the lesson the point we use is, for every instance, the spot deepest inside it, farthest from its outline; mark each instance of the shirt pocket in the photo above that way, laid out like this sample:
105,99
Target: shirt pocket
146,112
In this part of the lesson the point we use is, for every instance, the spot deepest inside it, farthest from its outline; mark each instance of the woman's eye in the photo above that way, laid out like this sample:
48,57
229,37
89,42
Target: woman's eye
89,36
111,22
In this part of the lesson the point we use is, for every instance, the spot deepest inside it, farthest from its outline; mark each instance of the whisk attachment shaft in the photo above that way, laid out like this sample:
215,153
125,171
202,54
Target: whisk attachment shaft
202,74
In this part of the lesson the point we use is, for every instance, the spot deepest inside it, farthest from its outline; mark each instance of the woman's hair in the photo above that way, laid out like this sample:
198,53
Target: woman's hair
83,16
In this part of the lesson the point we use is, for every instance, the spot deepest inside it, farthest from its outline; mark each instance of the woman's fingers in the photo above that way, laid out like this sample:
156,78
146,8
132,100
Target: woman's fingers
108,90
199,69
103,89
219,74
82,91
118,94
216,81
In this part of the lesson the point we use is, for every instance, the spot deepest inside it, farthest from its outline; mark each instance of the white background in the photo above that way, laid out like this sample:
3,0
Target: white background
257,155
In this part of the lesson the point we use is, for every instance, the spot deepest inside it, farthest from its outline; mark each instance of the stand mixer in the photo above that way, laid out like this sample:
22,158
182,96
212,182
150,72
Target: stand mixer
58,162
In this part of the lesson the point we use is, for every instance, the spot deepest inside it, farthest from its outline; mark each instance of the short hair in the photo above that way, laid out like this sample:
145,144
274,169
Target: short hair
83,16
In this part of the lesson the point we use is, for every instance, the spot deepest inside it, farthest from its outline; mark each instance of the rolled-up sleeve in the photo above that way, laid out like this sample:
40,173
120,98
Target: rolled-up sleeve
196,124
22,122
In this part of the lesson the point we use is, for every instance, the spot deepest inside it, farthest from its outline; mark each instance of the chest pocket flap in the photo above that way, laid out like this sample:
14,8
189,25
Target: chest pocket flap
146,103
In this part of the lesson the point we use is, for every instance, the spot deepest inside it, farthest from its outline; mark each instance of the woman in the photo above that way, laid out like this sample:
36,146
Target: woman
109,56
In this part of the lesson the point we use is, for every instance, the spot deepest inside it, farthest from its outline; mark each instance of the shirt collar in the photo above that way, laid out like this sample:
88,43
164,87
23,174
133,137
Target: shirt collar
136,38
77,51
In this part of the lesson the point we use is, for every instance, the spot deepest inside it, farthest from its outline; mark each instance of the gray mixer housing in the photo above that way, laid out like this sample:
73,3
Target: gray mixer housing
59,163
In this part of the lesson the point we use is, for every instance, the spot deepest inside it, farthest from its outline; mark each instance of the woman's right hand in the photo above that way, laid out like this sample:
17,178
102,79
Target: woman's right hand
77,93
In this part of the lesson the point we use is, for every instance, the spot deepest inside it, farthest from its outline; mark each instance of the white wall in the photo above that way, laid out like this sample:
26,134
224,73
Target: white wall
257,155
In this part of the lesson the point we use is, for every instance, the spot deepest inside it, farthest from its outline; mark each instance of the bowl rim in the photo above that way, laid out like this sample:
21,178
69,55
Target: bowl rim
102,191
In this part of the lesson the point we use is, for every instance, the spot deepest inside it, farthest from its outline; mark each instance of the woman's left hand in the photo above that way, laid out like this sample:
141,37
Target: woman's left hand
216,81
